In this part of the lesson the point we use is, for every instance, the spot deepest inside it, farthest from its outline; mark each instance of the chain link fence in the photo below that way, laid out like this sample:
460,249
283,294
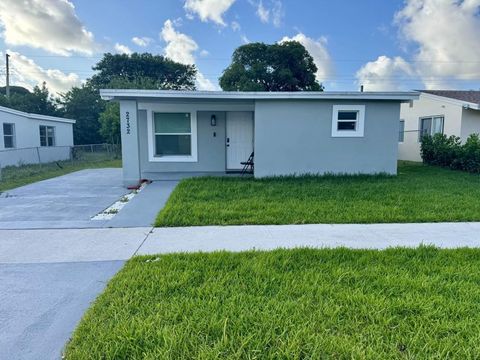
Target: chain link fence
15,163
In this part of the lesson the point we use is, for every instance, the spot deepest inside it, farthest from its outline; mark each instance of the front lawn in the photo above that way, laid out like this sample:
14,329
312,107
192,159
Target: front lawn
419,193
288,304
15,176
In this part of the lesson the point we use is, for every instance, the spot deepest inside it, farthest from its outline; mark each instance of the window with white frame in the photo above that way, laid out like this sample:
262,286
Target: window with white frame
8,135
47,135
431,125
348,120
401,131
173,134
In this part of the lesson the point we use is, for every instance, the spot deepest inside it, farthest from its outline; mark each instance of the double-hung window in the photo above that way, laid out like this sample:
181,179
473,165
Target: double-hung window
431,125
173,134
47,135
8,135
348,120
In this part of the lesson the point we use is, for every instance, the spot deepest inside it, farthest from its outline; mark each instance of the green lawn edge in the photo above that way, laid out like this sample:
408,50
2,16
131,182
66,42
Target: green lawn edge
419,193
13,177
288,304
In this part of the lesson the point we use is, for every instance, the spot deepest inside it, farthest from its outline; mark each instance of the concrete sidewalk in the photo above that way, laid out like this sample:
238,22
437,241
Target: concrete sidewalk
69,245
358,236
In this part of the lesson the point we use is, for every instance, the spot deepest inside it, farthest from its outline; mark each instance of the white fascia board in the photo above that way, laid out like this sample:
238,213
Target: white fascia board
448,100
36,116
112,94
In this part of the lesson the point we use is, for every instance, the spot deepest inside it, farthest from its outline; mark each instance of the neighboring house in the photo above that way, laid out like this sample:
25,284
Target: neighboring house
449,112
170,134
27,138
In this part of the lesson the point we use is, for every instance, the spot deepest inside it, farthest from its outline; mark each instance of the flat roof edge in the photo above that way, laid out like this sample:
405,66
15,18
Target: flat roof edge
112,94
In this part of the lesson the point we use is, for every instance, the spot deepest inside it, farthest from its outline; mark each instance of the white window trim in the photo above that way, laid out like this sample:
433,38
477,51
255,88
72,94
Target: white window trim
420,119
151,137
46,135
359,131
13,136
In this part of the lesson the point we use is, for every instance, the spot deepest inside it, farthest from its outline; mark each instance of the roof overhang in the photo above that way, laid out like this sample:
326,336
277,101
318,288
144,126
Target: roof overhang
124,94
36,116
464,104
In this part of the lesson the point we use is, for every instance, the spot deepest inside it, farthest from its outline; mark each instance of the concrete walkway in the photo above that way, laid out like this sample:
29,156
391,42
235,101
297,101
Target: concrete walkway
48,278
372,236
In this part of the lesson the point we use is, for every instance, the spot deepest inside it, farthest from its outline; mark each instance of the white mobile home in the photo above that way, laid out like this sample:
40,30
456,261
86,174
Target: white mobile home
449,112
168,134
25,138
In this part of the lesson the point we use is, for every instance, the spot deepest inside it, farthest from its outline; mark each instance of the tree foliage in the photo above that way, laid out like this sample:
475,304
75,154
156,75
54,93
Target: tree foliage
84,105
110,123
142,71
278,67
136,71
39,101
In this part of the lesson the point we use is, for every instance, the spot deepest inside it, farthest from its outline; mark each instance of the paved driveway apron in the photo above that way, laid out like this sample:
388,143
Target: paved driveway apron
67,201
48,278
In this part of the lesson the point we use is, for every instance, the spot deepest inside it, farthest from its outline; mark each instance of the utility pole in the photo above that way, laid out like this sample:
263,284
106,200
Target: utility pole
7,88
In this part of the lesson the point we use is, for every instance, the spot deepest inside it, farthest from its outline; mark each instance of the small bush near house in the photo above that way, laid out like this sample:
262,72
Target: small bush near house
448,151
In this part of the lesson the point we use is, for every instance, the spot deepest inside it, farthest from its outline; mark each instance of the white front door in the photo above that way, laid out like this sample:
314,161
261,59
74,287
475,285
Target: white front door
239,138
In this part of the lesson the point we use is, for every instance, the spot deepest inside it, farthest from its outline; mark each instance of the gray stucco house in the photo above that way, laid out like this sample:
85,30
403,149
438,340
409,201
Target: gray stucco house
173,134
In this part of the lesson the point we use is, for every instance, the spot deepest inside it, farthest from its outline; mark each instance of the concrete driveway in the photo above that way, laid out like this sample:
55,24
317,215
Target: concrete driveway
70,201
67,201
48,278
55,260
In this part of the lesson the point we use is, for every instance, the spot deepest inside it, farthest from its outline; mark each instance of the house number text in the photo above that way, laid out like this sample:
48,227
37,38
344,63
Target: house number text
127,117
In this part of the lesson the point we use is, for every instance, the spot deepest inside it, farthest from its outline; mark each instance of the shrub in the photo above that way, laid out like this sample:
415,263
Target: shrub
449,151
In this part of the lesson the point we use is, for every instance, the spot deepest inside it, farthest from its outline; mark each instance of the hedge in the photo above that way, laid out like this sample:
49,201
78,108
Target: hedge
448,151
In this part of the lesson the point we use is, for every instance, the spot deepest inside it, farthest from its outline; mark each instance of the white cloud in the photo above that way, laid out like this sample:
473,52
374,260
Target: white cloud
272,13
25,72
142,41
385,74
122,49
208,10
245,39
446,34
318,50
51,25
263,13
181,48
205,84
235,26
204,53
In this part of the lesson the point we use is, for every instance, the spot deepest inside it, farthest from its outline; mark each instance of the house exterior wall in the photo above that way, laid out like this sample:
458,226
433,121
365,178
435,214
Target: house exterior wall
295,137
292,137
426,106
27,139
210,140
470,123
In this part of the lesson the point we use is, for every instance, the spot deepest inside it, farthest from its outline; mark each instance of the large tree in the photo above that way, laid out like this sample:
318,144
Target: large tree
95,119
142,71
278,67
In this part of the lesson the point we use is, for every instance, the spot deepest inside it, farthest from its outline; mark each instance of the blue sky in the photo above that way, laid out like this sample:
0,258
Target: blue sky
384,45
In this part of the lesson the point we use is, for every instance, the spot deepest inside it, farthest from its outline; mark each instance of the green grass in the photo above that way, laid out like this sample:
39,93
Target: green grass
288,304
419,193
15,176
